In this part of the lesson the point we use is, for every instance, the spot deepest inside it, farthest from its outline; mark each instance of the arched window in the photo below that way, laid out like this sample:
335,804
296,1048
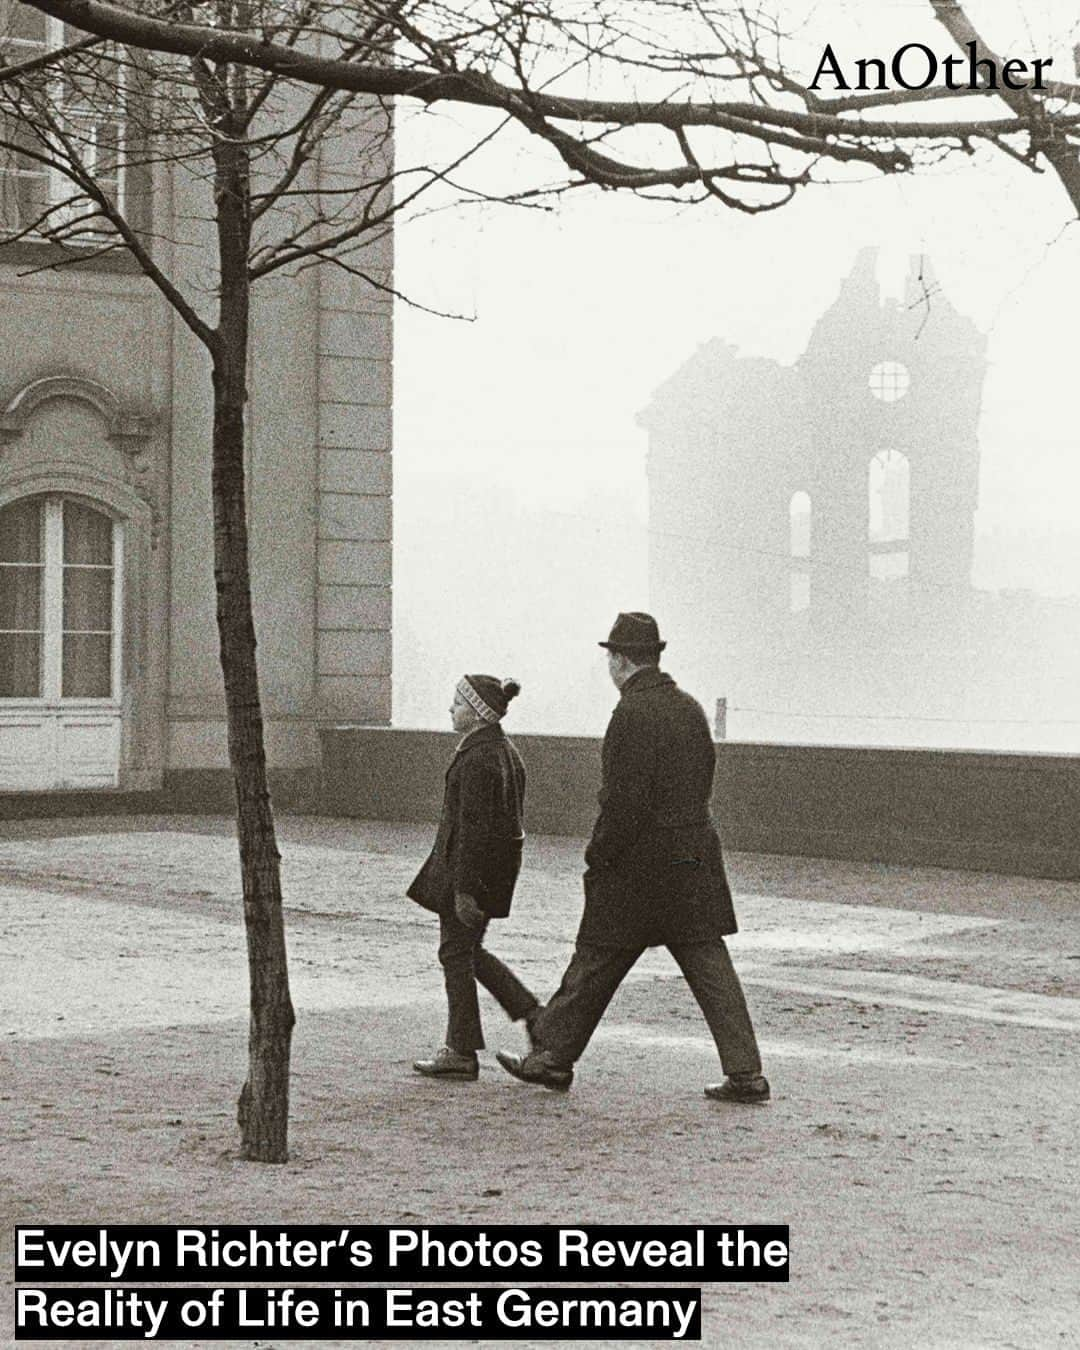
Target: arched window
888,514
799,534
799,518
60,602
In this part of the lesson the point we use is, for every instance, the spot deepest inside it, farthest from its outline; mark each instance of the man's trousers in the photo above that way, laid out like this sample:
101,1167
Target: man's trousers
465,960
567,1023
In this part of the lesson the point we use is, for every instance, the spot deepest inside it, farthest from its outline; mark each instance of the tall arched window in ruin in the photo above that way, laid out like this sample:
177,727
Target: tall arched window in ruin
799,531
889,511
61,565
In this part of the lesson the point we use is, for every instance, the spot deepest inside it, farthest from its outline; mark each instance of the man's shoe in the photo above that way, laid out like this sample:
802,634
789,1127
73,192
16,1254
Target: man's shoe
536,1067
448,1063
750,1089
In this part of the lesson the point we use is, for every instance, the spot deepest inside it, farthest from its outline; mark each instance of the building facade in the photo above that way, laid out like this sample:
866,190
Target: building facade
109,673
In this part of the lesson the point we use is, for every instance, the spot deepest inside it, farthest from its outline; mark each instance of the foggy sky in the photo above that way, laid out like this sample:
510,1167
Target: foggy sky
520,506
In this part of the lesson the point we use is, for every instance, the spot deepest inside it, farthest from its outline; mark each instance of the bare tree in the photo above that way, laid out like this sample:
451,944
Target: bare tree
686,95
685,99
243,144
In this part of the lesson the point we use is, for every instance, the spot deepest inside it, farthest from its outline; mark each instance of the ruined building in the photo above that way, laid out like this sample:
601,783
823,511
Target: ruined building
812,530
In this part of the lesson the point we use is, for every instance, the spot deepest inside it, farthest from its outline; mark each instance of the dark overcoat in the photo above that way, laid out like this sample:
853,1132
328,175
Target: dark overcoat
655,871
477,848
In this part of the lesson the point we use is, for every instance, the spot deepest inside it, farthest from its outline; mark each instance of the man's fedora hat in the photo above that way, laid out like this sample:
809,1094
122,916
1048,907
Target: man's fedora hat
632,632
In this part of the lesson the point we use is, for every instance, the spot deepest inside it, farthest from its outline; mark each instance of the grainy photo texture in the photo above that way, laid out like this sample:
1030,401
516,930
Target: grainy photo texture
539,678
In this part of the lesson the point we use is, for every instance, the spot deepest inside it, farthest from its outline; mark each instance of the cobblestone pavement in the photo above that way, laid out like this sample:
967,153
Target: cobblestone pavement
918,1025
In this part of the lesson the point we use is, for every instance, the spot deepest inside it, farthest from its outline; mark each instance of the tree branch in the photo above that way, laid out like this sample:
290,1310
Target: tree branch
1046,137
481,90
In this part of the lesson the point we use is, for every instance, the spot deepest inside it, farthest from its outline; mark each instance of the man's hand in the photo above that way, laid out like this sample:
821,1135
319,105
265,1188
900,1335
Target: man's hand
468,911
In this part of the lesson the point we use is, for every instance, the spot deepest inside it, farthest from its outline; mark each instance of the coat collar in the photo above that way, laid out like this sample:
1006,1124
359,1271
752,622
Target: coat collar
649,678
480,736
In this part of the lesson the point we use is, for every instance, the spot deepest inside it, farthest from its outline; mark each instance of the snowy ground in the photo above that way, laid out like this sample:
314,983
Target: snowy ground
918,1025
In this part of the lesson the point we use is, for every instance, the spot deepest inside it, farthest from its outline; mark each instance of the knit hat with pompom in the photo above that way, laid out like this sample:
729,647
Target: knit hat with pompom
487,696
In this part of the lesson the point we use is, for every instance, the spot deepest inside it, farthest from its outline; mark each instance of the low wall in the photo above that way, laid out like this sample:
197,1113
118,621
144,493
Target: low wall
1009,813
184,792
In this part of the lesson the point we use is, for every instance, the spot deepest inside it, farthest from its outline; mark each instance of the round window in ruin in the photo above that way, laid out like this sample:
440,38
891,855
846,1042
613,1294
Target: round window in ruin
889,381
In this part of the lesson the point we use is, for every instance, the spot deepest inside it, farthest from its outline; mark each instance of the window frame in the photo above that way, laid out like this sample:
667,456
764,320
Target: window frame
52,613
889,381
57,187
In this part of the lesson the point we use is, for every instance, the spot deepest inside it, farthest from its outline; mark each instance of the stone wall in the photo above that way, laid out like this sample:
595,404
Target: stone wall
1007,813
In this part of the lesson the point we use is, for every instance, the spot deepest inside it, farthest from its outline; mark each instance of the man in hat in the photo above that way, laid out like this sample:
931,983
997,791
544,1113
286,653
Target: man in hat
654,876
470,874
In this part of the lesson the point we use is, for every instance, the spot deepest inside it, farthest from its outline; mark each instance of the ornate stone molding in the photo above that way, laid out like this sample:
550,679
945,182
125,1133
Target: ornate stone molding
122,424
130,431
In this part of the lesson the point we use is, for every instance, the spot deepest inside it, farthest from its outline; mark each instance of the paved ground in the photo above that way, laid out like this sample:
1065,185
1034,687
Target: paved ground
919,1028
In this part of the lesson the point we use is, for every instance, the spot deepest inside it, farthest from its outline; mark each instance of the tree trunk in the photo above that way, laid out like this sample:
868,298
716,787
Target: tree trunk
263,1109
